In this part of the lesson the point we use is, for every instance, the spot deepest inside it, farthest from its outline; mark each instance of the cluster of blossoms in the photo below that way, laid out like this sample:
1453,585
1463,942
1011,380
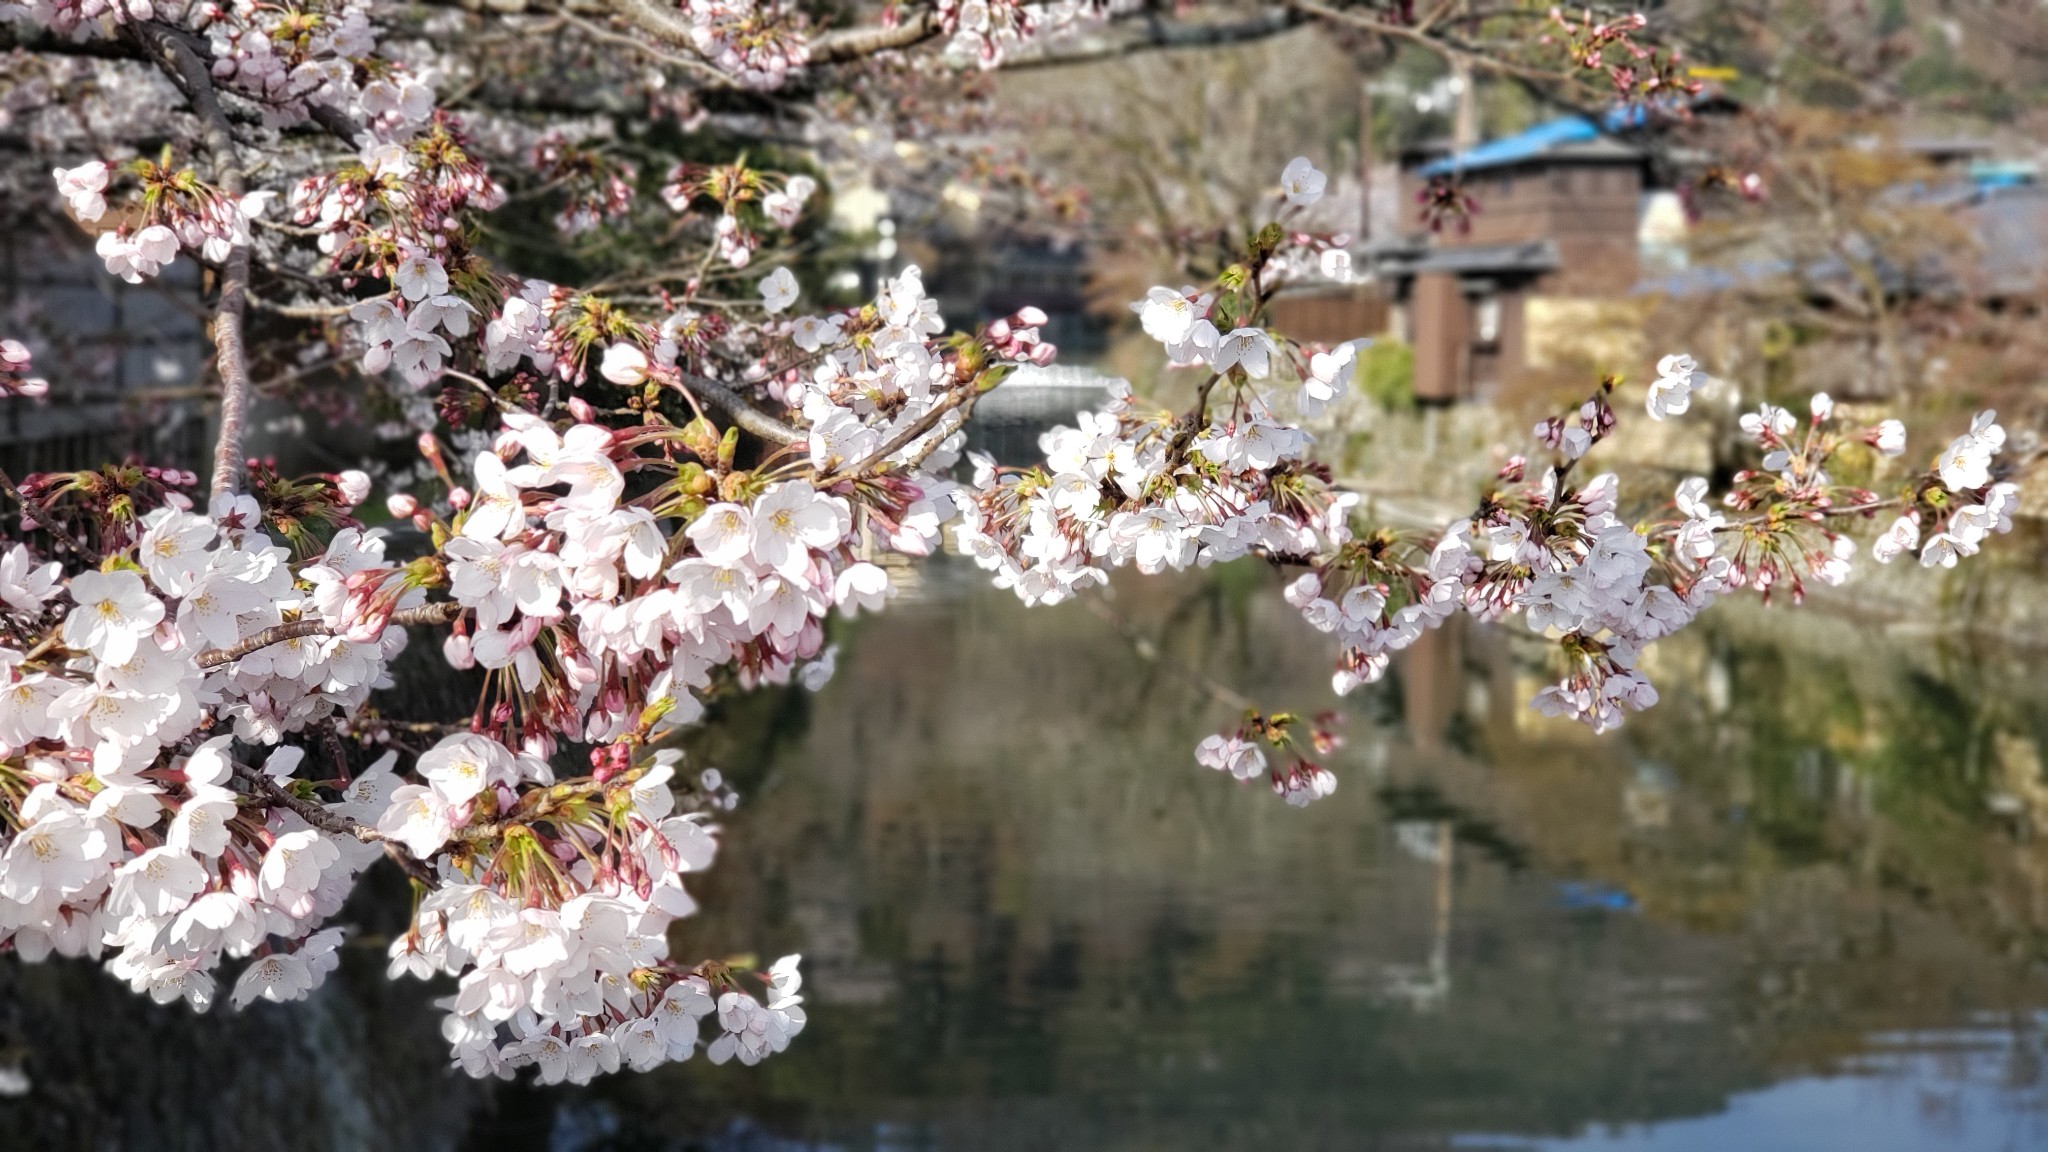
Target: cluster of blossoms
178,211
759,43
285,59
554,910
401,196
1603,588
1638,72
596,187
124,830
409,331
588,605
1303,782
15,365
1166,491
1138,489
984,31
732,188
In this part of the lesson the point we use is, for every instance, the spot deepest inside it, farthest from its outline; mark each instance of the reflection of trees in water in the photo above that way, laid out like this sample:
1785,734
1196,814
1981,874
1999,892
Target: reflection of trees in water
1031,921
361,1066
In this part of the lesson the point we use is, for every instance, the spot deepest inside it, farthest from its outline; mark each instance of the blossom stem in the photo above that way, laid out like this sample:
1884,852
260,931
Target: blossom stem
918,427
44,520
327,820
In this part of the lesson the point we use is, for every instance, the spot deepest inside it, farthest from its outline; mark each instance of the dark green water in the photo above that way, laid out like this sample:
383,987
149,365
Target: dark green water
1801,905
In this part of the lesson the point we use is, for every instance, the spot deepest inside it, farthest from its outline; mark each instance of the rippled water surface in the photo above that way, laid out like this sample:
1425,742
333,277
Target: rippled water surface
1801,905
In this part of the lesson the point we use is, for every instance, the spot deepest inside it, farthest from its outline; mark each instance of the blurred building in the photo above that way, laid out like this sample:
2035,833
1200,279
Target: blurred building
125,362
1559,216
1569,218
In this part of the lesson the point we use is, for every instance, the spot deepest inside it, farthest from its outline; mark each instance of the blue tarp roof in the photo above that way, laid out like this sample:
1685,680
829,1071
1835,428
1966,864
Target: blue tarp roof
1524,145
1534,141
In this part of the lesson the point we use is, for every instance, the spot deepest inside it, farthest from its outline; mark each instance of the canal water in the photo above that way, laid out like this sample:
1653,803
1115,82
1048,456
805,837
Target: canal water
1803,904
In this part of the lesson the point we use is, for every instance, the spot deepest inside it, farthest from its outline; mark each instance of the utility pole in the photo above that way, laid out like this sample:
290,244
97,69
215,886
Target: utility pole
1465,128
1364,160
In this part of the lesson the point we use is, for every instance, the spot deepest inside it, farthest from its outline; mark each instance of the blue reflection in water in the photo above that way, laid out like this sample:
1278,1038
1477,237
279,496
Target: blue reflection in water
1959,1090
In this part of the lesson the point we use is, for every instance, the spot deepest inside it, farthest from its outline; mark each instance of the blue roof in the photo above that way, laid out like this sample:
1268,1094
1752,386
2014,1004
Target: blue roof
1524,145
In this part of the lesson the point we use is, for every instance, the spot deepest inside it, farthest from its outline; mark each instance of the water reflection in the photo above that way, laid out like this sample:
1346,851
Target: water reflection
1799,905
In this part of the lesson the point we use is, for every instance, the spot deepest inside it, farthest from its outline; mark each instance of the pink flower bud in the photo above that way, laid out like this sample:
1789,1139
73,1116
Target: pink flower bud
354,485
458,498
1031,316
999,331
624,365
401,505
582,411
455,649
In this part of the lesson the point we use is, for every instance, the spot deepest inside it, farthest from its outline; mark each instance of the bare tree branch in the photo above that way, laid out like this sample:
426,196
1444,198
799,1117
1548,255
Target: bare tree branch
1426,36
855,43
735,407
42,41
1159,35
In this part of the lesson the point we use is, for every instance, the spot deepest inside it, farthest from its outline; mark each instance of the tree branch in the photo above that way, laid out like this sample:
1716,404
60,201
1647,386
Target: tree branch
1160,35
334,823
1434,41
735,408
918,427
44,42
182,63
437,613
855,43
667,23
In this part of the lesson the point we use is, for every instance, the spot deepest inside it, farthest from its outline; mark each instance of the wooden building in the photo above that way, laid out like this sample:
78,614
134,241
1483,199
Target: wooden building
1559,208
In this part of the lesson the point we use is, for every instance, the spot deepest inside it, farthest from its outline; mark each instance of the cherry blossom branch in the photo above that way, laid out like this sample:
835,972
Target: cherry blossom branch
666,23
437,613
55,527
1420,35
598,31
855,43
334,823
966,413
313,812
735,407
918,427
185,68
